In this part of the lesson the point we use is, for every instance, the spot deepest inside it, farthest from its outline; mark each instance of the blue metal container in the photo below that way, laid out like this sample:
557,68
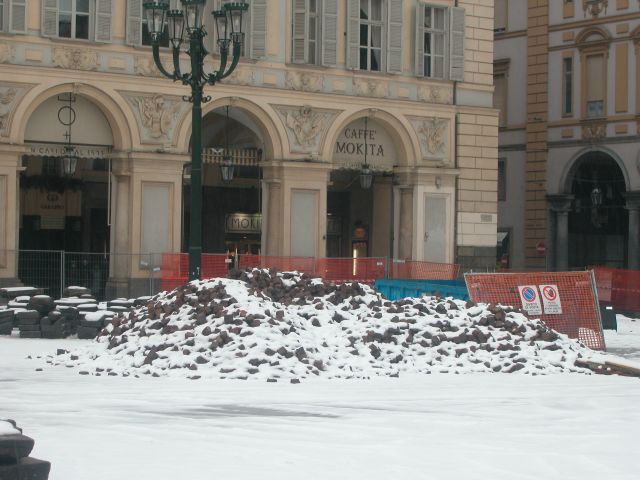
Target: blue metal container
397,289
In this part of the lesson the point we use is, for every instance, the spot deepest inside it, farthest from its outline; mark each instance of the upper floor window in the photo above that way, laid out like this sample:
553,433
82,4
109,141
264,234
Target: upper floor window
596,86
440,42
434,38
73,19
567,86
500,16
500,97
374,35
314,32
77,19
13,16
371,25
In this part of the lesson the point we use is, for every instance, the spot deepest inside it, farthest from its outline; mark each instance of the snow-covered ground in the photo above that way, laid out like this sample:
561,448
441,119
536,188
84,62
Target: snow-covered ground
626,341
439,426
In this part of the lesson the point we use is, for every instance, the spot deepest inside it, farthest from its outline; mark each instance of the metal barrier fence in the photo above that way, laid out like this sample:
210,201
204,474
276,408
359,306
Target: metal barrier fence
51,271
619,288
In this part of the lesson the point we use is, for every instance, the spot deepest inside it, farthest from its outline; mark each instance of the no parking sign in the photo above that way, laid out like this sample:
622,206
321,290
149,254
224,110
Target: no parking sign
530,299
551,299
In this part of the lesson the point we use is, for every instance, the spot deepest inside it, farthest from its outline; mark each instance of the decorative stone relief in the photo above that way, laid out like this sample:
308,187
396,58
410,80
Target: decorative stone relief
241,76
10,95
304,82
305,126
75,58
370,88
6,52
433,134
157,116
595,7
435,94
146,67
594,132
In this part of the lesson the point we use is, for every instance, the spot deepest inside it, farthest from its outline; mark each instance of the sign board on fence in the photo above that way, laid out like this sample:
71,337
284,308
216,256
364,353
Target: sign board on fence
530,299
551,299
578,316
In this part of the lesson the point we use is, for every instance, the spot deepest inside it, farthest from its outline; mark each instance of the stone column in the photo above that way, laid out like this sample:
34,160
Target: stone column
633,205
561,206
274,218
405,230
10,167
120,222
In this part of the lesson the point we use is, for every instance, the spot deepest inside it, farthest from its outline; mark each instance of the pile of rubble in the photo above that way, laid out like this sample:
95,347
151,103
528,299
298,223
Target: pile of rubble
15,462
77,313
286,327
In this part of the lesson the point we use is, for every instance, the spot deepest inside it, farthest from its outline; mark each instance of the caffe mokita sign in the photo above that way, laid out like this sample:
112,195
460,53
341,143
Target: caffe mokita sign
356,139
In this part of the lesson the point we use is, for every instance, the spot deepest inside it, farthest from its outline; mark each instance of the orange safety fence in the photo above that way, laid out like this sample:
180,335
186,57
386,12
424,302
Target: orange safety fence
573,308
417,270
619,288
284,264
363,270
175,268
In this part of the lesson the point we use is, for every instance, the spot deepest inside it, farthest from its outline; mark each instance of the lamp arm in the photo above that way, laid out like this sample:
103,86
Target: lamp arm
176,64
236,58
158,62
214,77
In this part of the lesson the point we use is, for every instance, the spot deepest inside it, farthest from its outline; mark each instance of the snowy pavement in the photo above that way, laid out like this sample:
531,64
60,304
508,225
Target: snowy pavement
624,342
439,426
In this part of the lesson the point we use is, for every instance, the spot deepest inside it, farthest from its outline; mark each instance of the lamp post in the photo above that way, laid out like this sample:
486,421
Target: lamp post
187,26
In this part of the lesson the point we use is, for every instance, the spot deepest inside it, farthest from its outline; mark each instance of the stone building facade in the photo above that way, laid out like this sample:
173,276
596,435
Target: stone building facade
569,189
319,84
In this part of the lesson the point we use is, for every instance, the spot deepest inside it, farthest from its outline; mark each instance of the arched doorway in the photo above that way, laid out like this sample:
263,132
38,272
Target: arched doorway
65,194
598,221
232,207
360,191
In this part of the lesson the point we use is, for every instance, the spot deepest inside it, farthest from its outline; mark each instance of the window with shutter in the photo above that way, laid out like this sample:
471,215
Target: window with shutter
329,33
14,16
299,45
500,97
134,22
595,78
394,47
103,20
74,19
434,41
456,54
258,30
500,16
49,18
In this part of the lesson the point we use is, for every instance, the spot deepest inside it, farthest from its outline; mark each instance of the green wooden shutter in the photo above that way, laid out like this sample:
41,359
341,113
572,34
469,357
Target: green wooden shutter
394,36
17,16
104,9
258,36
134,22
456,56
353,34
419,62
49,24
329,29
299,44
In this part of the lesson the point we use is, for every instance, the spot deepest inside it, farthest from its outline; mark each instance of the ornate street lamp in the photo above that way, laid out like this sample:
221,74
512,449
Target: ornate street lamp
69,159
187,26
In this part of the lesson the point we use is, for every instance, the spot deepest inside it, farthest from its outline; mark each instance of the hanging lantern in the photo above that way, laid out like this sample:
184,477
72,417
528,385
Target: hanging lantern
155,11
193,10
366,177
596,197
176,27
226,169
69,161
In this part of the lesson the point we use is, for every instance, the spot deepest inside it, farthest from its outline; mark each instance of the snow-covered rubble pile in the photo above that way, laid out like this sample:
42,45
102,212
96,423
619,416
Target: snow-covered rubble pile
286,326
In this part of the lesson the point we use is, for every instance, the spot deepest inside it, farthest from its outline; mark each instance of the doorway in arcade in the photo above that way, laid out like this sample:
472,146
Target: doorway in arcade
232,206
64,198
359,213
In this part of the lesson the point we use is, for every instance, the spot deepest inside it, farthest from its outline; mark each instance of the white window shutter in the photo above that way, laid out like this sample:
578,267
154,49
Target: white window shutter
258,36
49,24
299,44
456,54
329,55
17,16
420,40
134,22
353,34
103,20
394,37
